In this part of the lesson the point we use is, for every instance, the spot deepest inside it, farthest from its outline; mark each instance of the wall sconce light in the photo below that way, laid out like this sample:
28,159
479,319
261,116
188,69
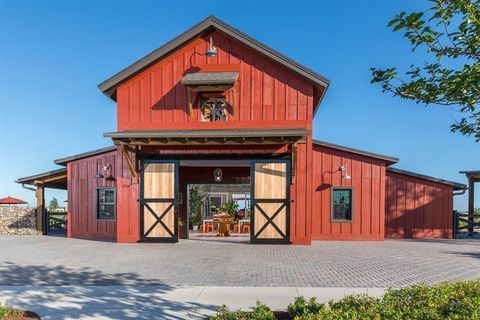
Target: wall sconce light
100,175
217,175
345,175
211,51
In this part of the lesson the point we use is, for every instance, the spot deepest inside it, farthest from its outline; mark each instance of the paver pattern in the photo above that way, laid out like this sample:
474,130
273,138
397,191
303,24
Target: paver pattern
52,261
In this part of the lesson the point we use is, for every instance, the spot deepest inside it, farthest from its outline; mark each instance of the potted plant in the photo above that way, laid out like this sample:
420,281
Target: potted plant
230,207
195,201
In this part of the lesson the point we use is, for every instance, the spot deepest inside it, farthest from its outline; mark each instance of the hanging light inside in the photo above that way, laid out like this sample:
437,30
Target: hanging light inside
211,51
345,174
217,175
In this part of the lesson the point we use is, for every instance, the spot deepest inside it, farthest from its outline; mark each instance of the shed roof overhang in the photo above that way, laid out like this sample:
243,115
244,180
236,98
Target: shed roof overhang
208,137
455,185
388,159
210,24
55,179
64,161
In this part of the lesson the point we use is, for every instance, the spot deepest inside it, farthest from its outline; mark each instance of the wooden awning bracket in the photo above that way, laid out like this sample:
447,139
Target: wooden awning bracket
294,160
130,162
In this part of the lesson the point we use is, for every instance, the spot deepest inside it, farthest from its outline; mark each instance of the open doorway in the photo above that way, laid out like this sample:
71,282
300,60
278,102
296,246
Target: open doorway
219,212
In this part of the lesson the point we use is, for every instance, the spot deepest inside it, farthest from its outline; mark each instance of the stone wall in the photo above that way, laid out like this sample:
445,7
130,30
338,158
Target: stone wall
17,220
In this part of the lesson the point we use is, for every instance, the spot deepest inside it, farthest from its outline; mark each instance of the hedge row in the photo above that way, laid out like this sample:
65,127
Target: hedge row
460,300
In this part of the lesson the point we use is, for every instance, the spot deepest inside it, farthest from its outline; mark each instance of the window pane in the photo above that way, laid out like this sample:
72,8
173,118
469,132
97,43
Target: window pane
106,203
342,204
109,196
106,211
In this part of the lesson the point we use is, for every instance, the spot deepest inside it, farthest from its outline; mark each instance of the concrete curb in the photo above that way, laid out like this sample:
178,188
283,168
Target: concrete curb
157,302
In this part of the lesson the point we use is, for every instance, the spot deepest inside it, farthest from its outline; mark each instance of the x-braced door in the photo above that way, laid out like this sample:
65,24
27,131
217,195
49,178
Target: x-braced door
270,201
159,203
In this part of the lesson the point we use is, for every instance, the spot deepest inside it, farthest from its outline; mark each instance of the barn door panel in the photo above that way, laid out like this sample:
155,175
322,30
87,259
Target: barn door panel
270,201
159,214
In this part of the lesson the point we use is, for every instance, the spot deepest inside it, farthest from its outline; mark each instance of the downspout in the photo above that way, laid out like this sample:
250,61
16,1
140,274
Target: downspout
28,188
462,191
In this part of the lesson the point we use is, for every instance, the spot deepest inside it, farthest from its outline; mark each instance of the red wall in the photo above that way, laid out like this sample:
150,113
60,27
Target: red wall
417,208
268,95
368,182
81,195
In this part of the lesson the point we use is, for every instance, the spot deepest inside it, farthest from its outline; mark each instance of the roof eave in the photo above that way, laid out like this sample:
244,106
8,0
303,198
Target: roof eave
39,176
455,185
388,159
65,160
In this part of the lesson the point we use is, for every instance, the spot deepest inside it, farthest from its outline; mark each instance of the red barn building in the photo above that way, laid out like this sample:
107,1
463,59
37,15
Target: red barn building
213,106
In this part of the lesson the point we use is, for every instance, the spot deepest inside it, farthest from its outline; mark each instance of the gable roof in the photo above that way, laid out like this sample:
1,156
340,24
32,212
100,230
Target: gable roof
388,159
109,86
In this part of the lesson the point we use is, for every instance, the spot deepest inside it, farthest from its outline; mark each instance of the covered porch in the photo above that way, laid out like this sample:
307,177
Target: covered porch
55,179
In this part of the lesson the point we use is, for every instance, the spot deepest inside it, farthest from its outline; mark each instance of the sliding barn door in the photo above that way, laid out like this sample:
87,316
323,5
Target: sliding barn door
270,201
159,212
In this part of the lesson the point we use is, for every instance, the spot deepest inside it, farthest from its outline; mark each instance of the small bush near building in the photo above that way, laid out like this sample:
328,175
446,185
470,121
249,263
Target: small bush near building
7,313
459,300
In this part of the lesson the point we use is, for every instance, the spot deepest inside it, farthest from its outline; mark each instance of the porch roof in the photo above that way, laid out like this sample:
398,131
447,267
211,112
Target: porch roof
55,179
199,137
206,78
475,174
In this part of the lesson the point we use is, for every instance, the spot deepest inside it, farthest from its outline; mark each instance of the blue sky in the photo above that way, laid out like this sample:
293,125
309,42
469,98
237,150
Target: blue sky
54,53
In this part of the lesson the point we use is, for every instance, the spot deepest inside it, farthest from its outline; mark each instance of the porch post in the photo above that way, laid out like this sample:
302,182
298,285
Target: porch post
471,203
40,193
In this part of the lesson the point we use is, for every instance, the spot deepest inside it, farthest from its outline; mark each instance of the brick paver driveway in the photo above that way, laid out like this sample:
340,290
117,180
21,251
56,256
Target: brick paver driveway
58,261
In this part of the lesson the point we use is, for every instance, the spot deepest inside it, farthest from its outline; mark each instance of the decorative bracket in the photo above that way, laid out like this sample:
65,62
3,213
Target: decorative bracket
294,160
130,161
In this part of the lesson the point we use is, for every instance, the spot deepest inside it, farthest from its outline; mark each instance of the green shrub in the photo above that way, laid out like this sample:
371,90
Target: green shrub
301,307
6,311
259,312
452,301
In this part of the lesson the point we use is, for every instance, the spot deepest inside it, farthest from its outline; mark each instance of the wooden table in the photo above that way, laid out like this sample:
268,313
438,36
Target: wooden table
223,225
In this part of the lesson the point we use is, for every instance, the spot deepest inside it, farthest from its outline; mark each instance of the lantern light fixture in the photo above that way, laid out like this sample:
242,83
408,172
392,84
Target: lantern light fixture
217,175
345,175
211,51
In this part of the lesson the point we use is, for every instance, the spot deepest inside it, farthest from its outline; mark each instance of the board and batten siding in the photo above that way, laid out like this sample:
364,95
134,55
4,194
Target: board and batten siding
267,94
368,183
417,208
82,185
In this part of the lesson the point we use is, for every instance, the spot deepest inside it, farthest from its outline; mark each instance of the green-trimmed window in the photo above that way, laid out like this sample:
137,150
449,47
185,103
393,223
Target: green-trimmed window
342,204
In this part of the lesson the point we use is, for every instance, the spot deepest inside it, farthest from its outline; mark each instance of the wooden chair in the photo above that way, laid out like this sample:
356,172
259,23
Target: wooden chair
208,227
235,228
246,228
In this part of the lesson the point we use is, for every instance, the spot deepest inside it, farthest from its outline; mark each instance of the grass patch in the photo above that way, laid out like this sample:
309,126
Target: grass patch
455,301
